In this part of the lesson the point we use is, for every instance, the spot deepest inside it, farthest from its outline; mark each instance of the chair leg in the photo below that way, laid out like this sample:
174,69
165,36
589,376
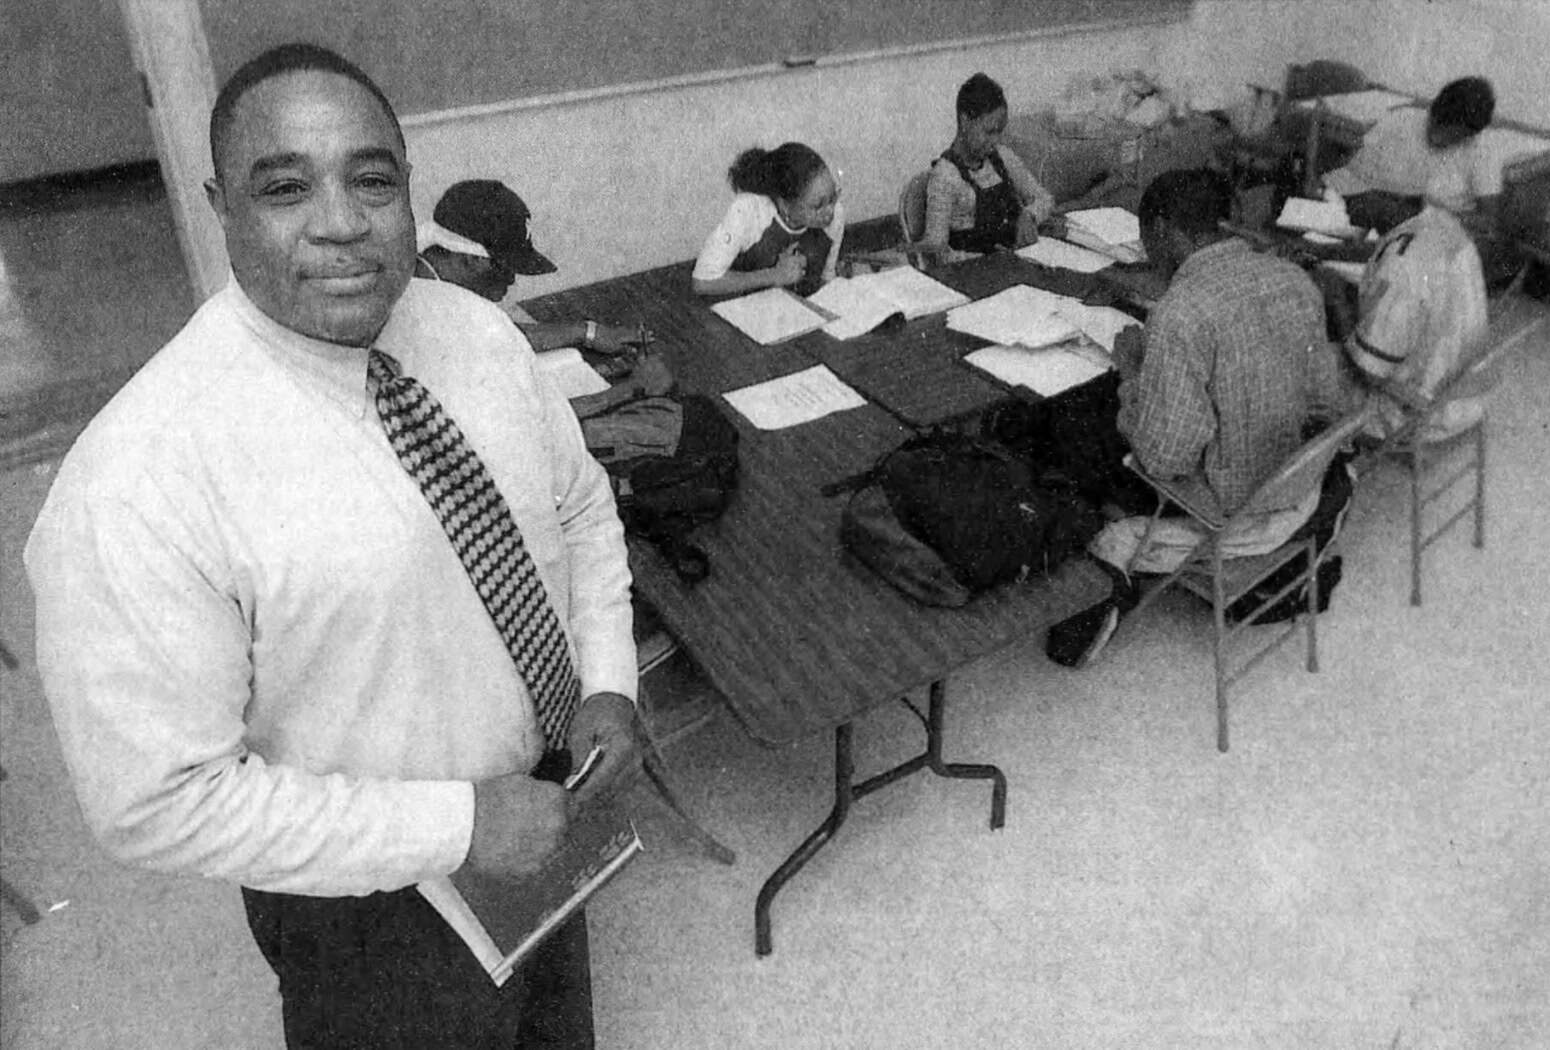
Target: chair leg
1313,605
1417,468
1480,485
1219,618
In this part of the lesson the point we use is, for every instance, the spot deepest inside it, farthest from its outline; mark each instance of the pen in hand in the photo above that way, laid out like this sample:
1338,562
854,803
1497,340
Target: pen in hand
583,771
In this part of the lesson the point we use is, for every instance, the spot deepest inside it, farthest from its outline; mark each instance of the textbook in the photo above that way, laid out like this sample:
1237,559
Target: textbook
502,919
1114,232
910,291
857,308
772,315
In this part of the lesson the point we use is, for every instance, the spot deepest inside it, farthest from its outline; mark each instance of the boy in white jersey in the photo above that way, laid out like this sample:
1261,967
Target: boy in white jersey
1422,319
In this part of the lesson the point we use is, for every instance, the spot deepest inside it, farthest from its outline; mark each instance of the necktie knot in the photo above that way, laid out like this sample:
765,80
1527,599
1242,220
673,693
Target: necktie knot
383,367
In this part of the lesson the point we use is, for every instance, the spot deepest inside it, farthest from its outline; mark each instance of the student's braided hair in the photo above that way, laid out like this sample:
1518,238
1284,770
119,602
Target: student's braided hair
782,173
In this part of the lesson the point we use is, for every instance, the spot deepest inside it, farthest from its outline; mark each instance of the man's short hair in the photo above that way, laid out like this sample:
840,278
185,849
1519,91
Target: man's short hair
278,61
1195,201
1467,103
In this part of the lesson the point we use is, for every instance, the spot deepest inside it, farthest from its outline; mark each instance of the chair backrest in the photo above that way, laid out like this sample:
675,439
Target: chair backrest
1322,76
912,207
1479,375
1304,470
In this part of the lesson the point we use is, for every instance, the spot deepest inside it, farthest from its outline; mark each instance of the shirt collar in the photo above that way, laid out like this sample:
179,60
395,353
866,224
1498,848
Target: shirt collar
338,371
1211,255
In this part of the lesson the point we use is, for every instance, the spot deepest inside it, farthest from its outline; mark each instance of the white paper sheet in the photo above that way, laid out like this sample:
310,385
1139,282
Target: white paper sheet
1101,324
1050,251
1348,271
911,291
1327,216
1047,371
770,315
567,370
1019,315
858,309
797,398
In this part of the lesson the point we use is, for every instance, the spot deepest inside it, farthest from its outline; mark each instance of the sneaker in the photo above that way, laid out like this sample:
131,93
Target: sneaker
653,649
1077,640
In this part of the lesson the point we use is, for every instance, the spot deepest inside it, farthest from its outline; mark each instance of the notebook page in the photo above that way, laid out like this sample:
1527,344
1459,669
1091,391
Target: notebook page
1050,251
858,310
770,315
1019,315
797,398
1046,371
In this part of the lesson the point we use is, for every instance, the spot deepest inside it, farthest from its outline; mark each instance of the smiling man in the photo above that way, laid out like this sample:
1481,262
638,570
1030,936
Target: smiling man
319,613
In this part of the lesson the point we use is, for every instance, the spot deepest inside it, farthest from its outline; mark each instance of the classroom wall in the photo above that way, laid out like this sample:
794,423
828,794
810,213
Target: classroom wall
71,99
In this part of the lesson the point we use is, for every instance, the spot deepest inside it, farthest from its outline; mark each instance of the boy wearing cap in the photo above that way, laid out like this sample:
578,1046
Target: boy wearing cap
478,238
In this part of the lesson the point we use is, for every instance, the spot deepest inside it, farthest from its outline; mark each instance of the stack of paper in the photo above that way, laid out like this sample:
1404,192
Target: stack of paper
1046,372
857,308
798,398
1101,324
1114,232
566,369
1020,316
771,315
1047,251
1327,217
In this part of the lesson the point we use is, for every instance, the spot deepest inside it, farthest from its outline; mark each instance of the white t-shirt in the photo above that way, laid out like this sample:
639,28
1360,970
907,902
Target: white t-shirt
1395,158
1423,316
749,215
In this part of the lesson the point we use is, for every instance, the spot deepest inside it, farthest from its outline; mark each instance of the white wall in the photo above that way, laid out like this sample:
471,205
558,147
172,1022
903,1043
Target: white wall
636,180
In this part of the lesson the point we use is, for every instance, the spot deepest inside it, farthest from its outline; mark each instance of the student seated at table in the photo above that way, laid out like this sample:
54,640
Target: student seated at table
783,228
477,238
1421,317
1412,151
1222,385
981,197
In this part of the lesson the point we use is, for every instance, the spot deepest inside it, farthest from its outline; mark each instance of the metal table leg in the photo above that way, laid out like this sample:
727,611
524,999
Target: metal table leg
846,791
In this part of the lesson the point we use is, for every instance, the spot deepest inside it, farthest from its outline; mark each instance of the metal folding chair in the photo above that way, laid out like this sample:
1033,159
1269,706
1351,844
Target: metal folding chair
1223,580
1463,452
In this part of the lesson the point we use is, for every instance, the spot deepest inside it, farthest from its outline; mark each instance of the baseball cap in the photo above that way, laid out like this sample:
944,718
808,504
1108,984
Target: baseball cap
490,214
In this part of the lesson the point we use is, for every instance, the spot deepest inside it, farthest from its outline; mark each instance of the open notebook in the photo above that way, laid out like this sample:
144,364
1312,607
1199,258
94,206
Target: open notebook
772,315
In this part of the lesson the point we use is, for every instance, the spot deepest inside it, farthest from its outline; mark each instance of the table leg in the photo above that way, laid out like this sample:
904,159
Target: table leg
846,791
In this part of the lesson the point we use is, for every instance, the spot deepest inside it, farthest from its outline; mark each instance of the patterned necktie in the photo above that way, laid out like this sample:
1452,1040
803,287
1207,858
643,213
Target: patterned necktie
477,520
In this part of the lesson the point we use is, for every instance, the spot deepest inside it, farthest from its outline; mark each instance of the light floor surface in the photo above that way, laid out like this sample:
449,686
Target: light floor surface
1369,867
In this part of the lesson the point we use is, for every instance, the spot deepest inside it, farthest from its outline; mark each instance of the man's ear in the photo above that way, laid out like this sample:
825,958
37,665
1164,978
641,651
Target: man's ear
215,193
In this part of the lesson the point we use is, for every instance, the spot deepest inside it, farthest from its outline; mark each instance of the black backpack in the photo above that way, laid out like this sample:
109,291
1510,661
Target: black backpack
663,498
946,501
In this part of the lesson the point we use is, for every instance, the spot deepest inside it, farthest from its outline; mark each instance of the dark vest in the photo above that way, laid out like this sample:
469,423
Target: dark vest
996,210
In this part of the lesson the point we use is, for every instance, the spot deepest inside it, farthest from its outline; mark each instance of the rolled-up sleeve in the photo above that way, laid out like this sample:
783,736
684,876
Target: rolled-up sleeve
144,651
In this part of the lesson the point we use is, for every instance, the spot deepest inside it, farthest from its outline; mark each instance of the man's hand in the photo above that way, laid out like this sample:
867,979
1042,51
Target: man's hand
791,267
615,339
608,720
518,822
653,378
1129,347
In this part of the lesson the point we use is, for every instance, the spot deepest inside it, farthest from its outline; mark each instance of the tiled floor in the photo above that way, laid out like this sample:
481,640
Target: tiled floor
1368,867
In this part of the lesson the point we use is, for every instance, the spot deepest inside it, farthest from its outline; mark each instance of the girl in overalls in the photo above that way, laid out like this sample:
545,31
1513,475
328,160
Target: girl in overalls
980,197
783,228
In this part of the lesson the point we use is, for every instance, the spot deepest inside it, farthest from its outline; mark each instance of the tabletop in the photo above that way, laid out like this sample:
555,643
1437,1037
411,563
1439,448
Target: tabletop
795,634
